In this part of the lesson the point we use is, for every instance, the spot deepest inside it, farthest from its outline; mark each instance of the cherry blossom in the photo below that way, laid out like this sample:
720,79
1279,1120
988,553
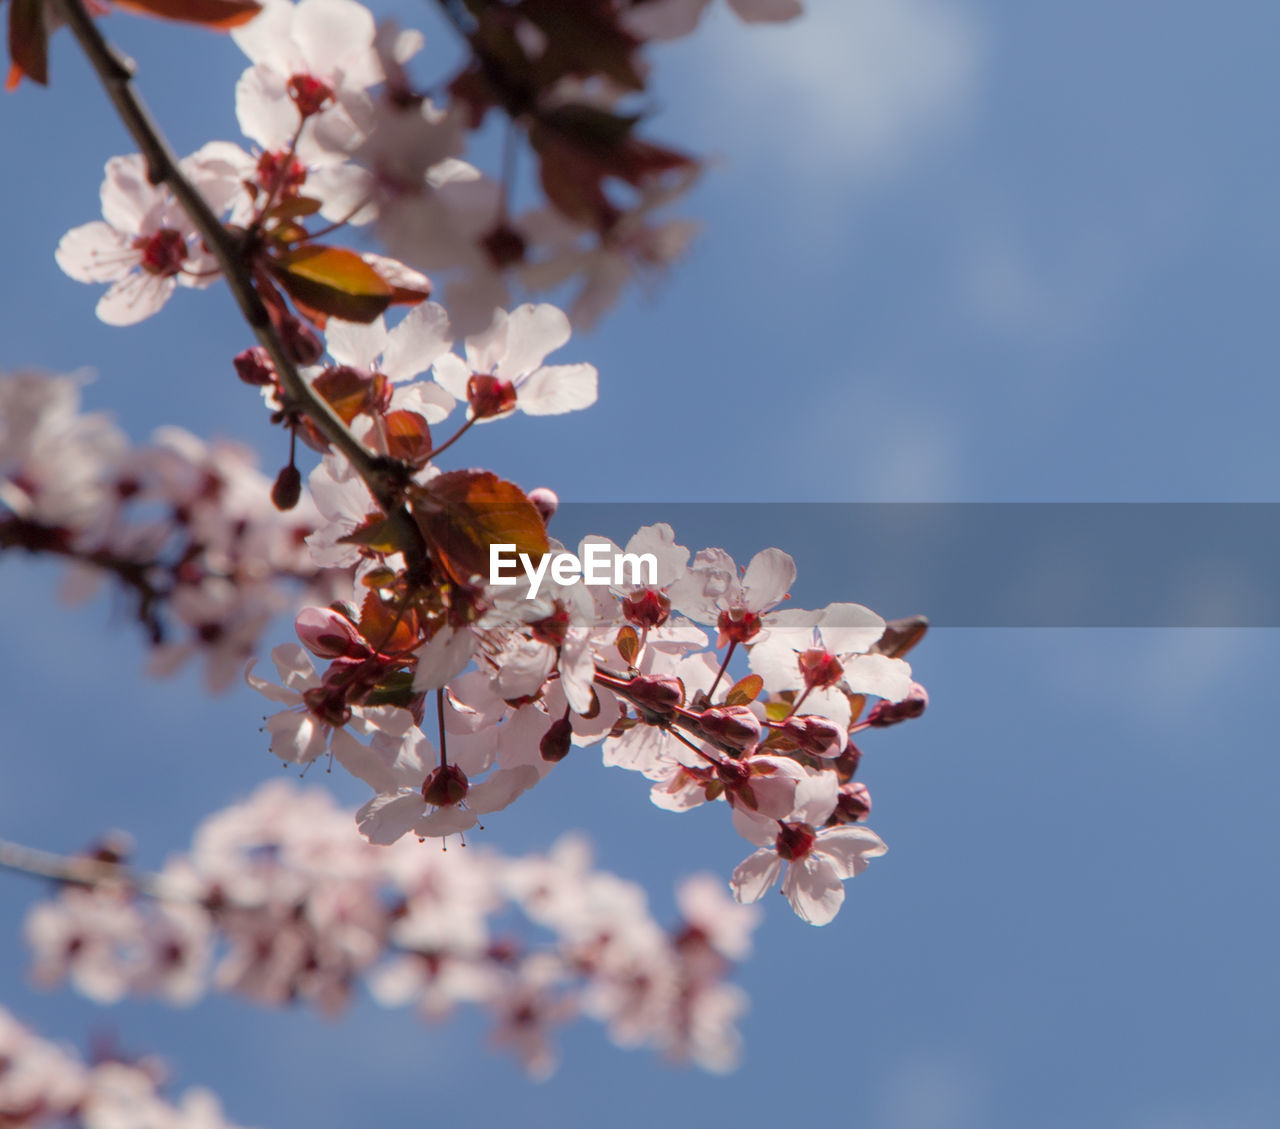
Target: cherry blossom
816,861
146,245
504,372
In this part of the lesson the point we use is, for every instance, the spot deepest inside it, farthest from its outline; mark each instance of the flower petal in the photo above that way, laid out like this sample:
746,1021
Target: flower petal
414,344
850,848
532,333
754,875
555,389
814,890
385,818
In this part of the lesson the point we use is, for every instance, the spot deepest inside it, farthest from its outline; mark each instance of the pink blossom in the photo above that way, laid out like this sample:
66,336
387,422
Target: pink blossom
817,861
504,371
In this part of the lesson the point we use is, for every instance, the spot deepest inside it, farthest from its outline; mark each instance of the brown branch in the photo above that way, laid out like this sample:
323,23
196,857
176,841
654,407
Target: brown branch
82,871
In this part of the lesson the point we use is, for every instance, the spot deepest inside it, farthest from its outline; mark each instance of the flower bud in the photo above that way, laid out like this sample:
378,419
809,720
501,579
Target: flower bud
254,366
545,501
660,693
329,634
301,342
846,764
891,713
815,735
556,741
287,489
734,726
446,786
853,803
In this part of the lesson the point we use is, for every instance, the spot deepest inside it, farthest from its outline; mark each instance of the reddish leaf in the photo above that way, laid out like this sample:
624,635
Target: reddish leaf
28,43
745,691
349,391
382,535
333,282
628,644
583,39
390,627
408,436
221,15
462,512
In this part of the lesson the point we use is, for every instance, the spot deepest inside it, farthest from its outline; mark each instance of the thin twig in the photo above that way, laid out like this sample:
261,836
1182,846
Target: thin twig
82,871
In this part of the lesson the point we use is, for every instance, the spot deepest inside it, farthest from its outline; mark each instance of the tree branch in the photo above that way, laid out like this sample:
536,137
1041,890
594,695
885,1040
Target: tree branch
81,870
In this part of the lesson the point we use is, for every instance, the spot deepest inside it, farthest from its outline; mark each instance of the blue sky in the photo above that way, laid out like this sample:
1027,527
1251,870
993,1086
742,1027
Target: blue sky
950,252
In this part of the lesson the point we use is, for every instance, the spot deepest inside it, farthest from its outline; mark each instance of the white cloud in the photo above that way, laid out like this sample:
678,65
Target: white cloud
855,86
932,1092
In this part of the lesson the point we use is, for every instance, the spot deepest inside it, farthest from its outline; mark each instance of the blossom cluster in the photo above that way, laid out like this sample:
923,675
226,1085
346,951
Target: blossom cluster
449,694
41,1083
339,130
519,681
186,527
278,902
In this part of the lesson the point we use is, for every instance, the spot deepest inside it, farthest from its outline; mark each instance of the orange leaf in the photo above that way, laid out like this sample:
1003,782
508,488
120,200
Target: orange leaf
628,644
221,15
389,627
349,391
462,512
332,281
408,436
745,691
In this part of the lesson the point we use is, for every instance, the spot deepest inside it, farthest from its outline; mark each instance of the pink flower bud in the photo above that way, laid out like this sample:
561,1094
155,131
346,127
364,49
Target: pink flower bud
329,634
853,802
446,786
659,693
735,726
817,736
301,342
846,764
545,501
891,713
